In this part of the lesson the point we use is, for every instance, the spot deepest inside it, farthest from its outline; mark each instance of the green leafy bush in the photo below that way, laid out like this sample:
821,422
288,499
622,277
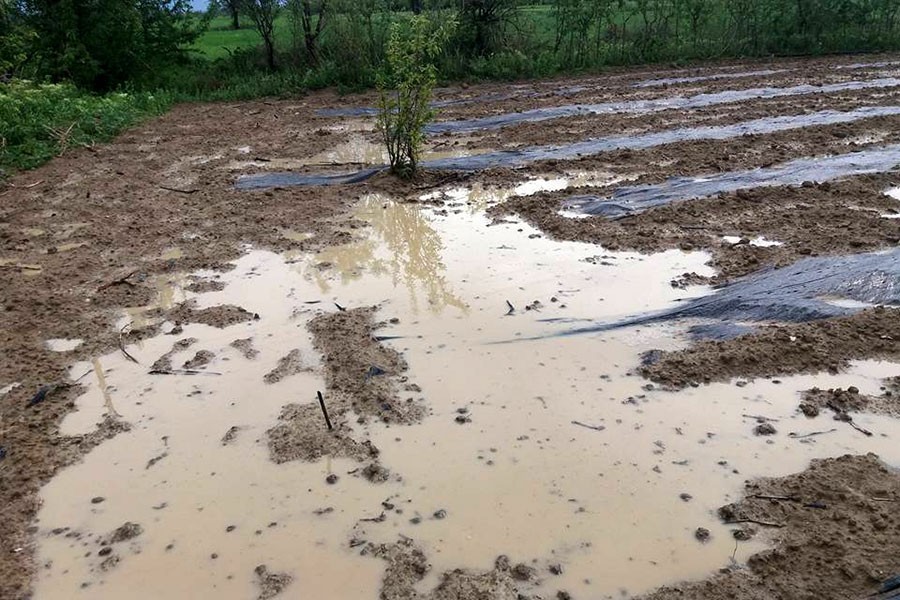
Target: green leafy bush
38,122
406,85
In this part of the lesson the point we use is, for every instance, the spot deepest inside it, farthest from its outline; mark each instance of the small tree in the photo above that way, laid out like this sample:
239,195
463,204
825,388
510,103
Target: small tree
406,85
263,14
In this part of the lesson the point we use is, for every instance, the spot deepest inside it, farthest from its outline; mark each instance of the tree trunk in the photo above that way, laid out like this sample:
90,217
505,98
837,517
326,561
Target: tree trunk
270,52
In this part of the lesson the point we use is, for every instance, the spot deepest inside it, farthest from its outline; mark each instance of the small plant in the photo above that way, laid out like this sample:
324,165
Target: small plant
406,85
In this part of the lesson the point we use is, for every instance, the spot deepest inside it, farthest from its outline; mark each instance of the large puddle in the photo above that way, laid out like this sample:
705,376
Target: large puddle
521,478
630,200
653,105
524,156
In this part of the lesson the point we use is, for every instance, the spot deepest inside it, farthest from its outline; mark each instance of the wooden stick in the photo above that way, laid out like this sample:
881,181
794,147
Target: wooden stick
594,427
798,436
859,429
324,410
180,372
122,345
755,521
759,418
171,189
766,497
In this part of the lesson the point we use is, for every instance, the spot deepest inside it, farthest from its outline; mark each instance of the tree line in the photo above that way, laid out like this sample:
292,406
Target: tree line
106,44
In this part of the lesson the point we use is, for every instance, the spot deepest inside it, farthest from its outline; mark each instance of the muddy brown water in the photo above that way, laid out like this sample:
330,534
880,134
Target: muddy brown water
521,478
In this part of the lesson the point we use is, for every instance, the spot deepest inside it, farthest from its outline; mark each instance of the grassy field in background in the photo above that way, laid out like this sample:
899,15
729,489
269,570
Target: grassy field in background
219,39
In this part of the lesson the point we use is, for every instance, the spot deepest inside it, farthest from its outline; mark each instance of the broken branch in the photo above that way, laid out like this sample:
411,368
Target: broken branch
171,189
798,436
760,418
122,345
755,522
594,427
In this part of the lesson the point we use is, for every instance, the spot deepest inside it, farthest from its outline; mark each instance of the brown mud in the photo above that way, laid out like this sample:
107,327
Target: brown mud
827,345
834,527
833,218
362,378
159,201
841,401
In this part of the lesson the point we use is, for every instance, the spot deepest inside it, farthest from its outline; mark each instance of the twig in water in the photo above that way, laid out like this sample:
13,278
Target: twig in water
380,518
180,372
754,521
324,410
340,308
122,345
111,411
798,436
512,308
859,429
171,189
760,418
594,427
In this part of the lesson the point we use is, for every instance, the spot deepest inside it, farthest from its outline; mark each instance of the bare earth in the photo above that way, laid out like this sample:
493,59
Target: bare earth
84,236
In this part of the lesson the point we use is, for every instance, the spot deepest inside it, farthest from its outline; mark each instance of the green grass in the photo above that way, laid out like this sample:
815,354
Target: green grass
40,121
219,40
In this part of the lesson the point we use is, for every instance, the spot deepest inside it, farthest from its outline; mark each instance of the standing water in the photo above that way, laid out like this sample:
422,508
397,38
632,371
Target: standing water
563,457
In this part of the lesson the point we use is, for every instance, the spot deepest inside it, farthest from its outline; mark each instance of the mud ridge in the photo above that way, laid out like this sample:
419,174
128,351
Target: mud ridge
362,379
834,528
819,346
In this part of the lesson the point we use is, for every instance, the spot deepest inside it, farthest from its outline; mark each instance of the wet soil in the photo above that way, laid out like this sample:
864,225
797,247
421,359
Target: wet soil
834,527
841,402
116,190
827,219
159,201
407,566
362,378
827,345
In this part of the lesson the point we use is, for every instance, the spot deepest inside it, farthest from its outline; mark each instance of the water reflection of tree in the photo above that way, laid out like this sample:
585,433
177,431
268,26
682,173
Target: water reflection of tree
402,245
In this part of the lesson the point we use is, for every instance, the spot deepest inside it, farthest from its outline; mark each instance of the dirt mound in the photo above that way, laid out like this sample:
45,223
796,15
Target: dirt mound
826,345
361,376
290,364
360,369
303,435
407,565
835,531
818,220
844,401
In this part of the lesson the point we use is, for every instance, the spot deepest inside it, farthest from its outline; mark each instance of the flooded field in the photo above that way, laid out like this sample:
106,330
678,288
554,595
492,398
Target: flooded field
587,367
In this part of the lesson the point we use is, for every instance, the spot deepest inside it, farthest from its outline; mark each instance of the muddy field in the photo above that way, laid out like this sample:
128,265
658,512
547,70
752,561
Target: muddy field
629,335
